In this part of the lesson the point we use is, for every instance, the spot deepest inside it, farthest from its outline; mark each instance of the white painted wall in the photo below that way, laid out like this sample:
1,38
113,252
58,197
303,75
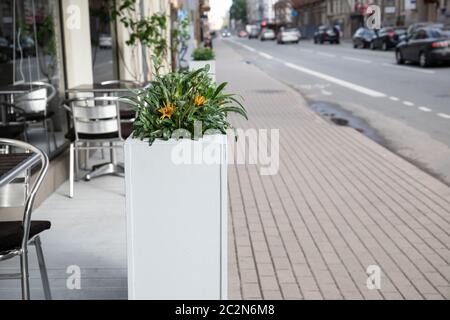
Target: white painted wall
77,42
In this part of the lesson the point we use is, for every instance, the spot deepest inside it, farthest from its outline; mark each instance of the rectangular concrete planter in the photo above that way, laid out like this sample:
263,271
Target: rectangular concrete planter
195,65
177,219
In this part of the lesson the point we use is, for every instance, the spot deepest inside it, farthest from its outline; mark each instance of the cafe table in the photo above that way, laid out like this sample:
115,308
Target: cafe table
105,88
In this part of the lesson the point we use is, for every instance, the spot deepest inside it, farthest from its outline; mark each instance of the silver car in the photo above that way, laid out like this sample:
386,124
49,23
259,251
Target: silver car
268,34
288,35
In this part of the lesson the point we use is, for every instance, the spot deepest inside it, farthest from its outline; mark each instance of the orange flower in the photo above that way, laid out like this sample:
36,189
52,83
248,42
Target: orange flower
167,111
200,101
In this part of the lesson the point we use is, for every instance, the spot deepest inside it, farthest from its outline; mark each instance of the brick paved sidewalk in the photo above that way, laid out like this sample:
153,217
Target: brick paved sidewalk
339,203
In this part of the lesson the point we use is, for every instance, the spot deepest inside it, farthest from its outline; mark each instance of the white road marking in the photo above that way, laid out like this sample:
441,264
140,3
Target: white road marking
265,55
307,50
337,81
394,98
408,103
391,65
444,115
424,109
357,59
243,45
326,93
248,48
329,55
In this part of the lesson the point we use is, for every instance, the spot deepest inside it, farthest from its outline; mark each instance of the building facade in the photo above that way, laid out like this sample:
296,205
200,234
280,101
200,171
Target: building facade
349,14
311,14
260,10
284,13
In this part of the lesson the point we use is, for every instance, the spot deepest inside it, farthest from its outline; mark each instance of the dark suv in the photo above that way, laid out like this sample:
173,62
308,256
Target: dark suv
326,34
387,38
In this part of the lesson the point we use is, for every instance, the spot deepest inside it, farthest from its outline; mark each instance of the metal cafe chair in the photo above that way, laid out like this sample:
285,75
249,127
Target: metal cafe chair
96,122
127,115
17,236
34,106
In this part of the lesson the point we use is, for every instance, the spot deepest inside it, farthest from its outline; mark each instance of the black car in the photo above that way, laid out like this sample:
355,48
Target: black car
26,48
387,38
254,33
427,46
420,25
363,38
326,34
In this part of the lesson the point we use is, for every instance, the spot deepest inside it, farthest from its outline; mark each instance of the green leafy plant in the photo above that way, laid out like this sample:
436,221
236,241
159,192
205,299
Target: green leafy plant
149,31
180,100
203,54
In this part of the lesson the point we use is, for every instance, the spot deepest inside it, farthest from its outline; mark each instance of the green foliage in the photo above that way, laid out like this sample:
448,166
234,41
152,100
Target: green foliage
45,34
238,11
149,31
179,100
203,54
180,33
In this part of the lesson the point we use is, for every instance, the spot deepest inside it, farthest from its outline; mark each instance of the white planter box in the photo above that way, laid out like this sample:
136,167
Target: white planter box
195,65
176,221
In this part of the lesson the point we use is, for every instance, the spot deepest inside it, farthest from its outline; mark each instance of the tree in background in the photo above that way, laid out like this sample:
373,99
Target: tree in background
238,12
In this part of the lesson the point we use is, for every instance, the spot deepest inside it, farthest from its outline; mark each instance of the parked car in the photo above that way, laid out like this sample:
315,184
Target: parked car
5,48
387,38
105,41
254,33
419,25
288,35
267,34
427,46
363,38
326,34
242,34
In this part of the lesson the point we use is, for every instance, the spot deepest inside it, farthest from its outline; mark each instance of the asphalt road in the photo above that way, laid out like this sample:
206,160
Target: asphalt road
407,106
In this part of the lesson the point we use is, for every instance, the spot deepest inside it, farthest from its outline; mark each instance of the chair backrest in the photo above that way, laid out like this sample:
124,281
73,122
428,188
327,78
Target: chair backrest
96,117
30,186
37,99
124,82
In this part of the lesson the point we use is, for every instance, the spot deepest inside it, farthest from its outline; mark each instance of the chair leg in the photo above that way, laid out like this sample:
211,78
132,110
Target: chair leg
86,157
52,131
48,136
42,269
103,151
76,163
25,276
71,170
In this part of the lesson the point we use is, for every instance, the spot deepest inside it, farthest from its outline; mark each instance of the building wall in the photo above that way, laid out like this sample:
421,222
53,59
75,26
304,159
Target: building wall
283,12
312,13
260,10
77,42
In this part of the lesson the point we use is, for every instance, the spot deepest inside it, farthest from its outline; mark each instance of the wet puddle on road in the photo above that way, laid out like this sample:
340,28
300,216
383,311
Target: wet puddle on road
341,117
